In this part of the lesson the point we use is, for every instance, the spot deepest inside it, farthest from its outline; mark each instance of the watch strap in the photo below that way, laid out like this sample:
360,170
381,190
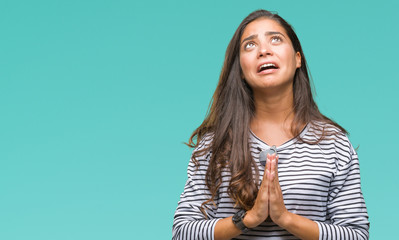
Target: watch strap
238,221
242,227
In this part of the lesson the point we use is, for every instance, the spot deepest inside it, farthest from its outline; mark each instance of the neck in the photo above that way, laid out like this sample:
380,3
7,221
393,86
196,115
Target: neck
273,107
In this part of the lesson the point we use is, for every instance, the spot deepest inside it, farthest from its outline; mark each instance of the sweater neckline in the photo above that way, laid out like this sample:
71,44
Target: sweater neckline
285,144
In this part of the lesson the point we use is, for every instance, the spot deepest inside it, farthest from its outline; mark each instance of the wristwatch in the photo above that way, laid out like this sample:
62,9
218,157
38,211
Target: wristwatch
237,220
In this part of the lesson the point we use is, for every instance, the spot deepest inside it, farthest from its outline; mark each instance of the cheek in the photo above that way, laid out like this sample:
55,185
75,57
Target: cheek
245,65
290,59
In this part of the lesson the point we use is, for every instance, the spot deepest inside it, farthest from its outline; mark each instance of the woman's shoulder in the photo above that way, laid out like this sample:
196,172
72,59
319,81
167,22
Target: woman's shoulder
333,137
326,131
204,142
202,150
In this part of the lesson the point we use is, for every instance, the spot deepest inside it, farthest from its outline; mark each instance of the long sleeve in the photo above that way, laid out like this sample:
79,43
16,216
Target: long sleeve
189,221
319,181
346,209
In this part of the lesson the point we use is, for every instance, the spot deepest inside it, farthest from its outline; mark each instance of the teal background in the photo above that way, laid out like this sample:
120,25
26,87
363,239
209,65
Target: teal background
96,98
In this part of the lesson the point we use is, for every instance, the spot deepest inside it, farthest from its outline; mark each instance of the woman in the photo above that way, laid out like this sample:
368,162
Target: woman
240,185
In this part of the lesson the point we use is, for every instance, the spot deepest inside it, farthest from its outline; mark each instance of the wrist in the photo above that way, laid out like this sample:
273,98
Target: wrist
285,220
238,221
250,220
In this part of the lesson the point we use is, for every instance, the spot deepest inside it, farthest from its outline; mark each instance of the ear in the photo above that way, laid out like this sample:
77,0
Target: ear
298,59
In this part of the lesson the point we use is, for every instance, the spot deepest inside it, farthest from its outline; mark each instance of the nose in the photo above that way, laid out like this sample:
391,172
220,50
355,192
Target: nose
264,51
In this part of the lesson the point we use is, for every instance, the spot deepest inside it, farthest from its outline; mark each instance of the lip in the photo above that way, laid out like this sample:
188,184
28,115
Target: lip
271,70
268,71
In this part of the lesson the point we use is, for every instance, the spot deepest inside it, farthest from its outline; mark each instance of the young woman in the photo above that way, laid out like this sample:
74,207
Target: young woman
267,164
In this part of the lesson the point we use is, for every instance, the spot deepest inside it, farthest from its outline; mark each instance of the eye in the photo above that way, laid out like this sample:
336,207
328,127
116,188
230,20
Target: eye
276,39
249,45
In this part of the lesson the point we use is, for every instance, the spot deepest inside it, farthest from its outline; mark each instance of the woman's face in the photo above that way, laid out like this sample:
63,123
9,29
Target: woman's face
267,56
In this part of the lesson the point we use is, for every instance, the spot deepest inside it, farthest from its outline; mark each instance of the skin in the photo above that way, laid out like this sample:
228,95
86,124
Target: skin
273,96
264,40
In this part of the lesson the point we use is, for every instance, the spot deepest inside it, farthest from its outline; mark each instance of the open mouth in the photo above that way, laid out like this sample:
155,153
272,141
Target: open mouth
267,66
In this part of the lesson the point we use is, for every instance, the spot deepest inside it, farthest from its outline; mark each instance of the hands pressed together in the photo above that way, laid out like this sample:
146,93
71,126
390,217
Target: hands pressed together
269,202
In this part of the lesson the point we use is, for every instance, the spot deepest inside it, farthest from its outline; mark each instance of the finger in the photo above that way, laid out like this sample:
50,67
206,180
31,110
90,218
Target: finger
275,187
263,193
276,169
268,160
265,178
267,167
273,169
270,157
272,184
264,184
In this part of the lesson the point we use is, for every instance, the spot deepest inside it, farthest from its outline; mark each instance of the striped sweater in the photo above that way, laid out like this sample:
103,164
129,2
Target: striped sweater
318,181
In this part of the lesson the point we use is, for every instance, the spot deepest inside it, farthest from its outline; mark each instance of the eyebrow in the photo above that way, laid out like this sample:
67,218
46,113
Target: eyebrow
256,35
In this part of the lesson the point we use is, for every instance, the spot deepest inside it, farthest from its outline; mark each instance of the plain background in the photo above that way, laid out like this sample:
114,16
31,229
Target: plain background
97,97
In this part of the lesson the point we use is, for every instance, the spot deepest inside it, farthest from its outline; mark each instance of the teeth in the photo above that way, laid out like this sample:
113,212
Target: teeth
267,65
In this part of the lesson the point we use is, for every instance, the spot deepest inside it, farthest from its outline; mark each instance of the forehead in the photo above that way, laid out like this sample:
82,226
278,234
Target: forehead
262,25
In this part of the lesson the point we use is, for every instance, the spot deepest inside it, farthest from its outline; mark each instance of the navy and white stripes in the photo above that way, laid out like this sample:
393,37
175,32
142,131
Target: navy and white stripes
319,181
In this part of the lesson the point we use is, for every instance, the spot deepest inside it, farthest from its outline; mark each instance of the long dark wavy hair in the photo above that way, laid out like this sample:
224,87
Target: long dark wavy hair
230,113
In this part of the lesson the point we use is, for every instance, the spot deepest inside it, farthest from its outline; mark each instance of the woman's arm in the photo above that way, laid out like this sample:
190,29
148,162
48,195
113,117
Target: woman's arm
297,225
269,201
346,209
225,228
189,221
